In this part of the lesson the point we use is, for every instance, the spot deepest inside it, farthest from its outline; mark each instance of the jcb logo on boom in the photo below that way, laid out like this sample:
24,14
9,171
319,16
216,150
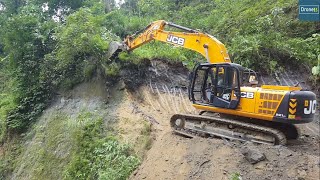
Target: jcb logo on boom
310,106
175,40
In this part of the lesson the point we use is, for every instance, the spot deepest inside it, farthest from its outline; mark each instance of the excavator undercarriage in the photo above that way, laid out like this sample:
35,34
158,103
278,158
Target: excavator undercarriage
209,125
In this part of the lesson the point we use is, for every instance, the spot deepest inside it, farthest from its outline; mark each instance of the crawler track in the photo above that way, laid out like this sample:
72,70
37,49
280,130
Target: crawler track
214,126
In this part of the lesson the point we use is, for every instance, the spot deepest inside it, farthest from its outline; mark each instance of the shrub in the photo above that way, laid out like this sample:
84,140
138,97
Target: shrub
98,157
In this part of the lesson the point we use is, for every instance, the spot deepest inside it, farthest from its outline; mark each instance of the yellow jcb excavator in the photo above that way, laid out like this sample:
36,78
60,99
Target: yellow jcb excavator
229,109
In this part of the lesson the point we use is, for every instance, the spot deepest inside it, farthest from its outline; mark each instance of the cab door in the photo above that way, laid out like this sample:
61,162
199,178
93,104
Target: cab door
227,93
215,85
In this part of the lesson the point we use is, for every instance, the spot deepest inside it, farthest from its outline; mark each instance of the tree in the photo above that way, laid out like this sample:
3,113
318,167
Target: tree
12,6
26,38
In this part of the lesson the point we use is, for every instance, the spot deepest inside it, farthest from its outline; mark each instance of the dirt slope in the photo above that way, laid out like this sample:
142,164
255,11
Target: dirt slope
176,157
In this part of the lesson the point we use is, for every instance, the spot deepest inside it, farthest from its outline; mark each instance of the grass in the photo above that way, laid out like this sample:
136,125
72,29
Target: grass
146,136
59,147
144,140
8,160
98,156
46,154
159,50
235,176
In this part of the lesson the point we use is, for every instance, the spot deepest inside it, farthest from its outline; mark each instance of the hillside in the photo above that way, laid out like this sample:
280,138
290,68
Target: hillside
139,119
67,112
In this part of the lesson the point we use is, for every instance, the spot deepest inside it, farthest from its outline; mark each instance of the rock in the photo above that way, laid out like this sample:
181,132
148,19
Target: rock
122,86
302,173
283,151
135,172
252,154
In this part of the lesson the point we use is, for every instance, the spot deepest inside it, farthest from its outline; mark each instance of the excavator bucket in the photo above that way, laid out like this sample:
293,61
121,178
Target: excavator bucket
115,48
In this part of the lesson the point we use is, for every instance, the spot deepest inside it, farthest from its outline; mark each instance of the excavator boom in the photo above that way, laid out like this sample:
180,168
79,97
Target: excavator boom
208,46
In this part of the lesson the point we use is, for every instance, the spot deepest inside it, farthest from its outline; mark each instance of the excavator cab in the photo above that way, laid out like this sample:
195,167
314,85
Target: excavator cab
216,85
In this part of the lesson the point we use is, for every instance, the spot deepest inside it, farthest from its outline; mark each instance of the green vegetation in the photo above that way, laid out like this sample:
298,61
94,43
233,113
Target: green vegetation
98,157
46,154
144,141
255,32
235,176
47,45
41,55
316,69
61,147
